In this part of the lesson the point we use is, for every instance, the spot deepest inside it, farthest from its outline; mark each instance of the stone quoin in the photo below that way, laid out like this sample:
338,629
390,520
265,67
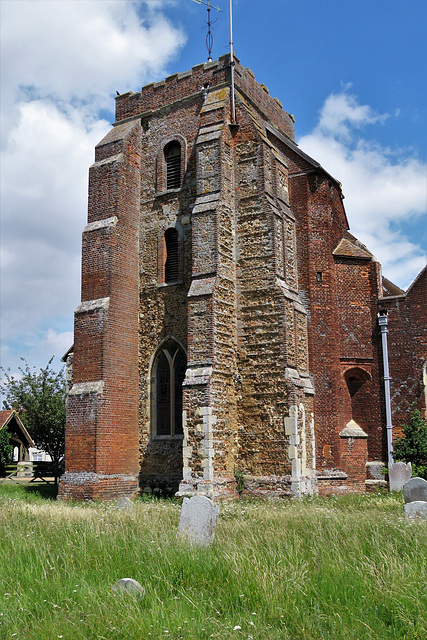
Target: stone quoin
227,338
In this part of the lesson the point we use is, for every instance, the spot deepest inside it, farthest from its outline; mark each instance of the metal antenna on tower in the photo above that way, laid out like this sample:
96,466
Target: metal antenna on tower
233,101
209,37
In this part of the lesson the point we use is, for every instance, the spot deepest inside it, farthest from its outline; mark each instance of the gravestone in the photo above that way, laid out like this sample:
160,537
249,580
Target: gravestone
399,474
198,520
416,509
415,490
129,585
124,503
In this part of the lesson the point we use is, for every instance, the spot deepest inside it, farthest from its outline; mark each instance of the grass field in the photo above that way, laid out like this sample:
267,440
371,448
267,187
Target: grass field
340,568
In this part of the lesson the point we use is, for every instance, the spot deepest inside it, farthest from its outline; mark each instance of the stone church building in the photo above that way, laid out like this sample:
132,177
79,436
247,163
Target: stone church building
228,324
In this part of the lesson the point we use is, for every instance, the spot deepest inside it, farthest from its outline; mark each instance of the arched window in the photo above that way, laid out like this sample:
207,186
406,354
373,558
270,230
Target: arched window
168,375
173,165
171,264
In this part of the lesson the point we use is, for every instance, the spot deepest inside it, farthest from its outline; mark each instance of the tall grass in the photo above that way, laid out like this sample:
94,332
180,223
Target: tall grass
350,568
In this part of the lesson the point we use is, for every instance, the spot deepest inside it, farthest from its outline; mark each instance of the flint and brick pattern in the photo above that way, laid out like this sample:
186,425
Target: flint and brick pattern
275,305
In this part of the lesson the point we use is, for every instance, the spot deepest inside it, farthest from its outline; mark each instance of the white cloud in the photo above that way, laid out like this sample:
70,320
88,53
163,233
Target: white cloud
58,342
383,188
44,194
62,63
341,112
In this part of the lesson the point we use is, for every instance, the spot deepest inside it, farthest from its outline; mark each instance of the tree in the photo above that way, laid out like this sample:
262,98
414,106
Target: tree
39,399
5,450
412,446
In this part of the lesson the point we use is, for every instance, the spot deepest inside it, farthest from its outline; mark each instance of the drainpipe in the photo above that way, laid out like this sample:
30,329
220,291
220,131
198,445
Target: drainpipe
383,324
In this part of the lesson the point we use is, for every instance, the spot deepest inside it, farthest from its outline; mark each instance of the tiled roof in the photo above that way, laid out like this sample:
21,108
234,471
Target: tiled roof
347,249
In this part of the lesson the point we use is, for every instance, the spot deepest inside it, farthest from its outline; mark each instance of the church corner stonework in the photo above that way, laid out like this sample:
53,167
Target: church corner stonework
227,337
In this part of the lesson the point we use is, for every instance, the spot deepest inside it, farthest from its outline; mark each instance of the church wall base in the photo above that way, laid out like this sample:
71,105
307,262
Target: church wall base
337,482
94,486
218,488
278,486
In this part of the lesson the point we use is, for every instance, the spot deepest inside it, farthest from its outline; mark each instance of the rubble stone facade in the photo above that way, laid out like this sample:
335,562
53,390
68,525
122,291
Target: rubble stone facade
228,324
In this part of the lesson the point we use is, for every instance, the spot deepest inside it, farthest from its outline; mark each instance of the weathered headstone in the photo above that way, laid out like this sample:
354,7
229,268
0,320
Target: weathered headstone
398,474
198,520
415,490
416,509
124,503
129,585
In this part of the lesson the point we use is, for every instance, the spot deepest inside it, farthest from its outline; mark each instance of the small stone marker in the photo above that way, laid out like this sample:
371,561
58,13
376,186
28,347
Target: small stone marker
124,503
198,520
399,474
415,490
416,509
129,585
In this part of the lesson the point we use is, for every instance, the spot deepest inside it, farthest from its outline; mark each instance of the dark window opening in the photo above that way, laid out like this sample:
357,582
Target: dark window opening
170,366
173,165
171,264
354,384
163,380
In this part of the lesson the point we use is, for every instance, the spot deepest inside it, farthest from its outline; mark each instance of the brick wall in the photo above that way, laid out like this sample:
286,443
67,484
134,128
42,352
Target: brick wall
102,406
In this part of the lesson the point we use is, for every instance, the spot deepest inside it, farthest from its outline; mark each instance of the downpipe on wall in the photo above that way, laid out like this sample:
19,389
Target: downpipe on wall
383,324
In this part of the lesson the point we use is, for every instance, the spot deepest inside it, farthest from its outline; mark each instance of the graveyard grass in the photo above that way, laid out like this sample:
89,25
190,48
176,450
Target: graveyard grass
337,568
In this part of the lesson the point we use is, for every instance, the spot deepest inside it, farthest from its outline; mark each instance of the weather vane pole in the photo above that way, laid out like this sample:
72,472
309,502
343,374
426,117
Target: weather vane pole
233,102
209,37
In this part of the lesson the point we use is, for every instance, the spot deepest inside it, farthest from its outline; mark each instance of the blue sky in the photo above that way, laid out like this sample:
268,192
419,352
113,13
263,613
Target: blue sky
352,73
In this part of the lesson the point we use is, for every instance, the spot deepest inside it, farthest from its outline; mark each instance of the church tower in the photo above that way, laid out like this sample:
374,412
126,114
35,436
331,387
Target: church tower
211,262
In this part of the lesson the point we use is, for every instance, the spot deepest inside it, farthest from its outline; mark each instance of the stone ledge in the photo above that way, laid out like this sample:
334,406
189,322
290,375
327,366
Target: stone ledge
77,478
376,483
332,474
108,223
197,376
93,305
87,388
111,160
202,287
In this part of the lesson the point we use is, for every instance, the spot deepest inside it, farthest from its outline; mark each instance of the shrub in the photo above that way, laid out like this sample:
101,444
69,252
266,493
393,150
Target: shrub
5,450
412,446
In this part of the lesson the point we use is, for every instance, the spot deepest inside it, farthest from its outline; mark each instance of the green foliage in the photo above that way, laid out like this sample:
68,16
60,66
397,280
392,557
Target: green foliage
39,399
412,446
240,480
5,450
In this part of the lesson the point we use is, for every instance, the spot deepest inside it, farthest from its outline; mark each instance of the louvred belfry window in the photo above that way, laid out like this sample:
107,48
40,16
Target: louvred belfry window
173,165
171,265
169,372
